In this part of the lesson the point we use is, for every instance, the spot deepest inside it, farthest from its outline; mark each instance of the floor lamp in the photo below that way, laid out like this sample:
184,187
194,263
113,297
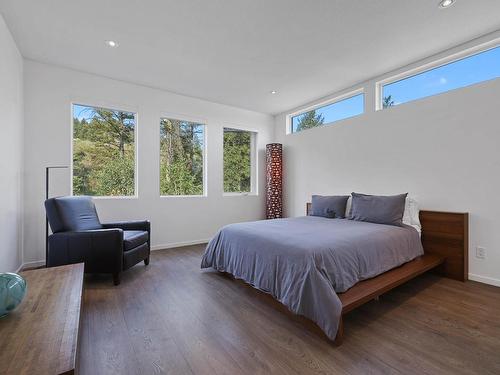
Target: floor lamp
47,179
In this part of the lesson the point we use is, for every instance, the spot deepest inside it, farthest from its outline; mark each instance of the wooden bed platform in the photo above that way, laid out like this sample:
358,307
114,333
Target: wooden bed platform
367,290
445,238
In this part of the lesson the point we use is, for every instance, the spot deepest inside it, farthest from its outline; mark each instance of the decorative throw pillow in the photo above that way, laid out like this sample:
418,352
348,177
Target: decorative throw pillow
329,206
378,209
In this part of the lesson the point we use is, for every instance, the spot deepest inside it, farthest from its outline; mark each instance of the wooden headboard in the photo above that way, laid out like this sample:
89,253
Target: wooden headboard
445,234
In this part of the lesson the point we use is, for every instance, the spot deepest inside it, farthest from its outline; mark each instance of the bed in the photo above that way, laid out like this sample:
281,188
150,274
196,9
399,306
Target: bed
321,268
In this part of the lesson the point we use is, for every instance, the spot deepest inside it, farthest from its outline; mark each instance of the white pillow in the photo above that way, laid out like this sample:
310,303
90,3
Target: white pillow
410,216
348,207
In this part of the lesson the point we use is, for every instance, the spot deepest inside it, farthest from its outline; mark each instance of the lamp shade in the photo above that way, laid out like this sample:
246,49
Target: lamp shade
274,177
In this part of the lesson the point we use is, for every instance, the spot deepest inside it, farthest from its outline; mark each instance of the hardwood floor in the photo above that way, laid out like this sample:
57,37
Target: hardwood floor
171,317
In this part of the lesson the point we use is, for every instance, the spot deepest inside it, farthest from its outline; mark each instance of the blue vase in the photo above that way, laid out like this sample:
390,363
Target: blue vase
12,291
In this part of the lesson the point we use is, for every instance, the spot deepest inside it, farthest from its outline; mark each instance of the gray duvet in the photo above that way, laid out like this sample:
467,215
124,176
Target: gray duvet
304,261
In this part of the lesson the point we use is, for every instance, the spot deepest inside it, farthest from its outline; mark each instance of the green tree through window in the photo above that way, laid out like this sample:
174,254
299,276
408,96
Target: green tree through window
181,157
103,152
310,120
336,110
387,101
237,161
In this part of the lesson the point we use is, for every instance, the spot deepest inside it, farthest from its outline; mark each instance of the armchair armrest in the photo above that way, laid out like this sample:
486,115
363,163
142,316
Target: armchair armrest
101,250
130,225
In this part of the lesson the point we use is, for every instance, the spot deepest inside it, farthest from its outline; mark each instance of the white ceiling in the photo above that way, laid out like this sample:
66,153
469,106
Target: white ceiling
236,51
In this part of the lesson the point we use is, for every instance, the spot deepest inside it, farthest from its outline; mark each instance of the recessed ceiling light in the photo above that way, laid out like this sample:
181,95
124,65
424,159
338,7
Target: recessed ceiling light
111,43
274,92
446,3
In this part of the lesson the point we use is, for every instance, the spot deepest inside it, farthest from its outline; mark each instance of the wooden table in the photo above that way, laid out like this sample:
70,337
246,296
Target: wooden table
41,335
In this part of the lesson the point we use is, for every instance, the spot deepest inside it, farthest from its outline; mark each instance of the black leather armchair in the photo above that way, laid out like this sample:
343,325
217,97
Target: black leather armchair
79,236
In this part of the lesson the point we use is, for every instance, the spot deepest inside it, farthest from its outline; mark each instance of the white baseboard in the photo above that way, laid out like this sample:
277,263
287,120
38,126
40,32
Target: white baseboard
36,263
178,244
484,279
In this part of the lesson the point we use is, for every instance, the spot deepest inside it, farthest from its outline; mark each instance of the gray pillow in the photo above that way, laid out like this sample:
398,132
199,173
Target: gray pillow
378,209
329,206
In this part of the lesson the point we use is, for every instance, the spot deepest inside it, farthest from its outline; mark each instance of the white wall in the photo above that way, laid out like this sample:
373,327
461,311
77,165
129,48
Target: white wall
11,125
443,149
49,90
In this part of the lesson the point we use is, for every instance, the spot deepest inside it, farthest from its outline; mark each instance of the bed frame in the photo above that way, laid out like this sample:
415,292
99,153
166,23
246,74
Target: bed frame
445,238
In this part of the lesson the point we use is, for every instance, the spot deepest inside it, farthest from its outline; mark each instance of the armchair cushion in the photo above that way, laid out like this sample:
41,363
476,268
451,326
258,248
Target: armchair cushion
130,225
134,238
72,214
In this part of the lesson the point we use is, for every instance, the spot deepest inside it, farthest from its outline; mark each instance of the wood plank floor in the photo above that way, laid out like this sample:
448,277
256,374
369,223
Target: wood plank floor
173,318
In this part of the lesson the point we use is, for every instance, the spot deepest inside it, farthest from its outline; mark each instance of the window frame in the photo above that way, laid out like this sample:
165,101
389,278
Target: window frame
111,107
324,103
434,64
193,119
254,161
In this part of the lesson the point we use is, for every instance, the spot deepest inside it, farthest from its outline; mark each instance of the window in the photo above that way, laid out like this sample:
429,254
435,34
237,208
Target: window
103,151
460,73
338,110
182,145
239,163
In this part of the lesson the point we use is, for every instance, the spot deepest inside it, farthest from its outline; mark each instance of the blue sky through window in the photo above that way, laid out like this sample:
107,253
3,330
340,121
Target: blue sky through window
467,71
473,69
342,109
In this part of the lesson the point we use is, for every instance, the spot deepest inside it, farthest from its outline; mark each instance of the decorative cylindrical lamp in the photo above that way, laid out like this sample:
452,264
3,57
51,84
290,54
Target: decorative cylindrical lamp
274,173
